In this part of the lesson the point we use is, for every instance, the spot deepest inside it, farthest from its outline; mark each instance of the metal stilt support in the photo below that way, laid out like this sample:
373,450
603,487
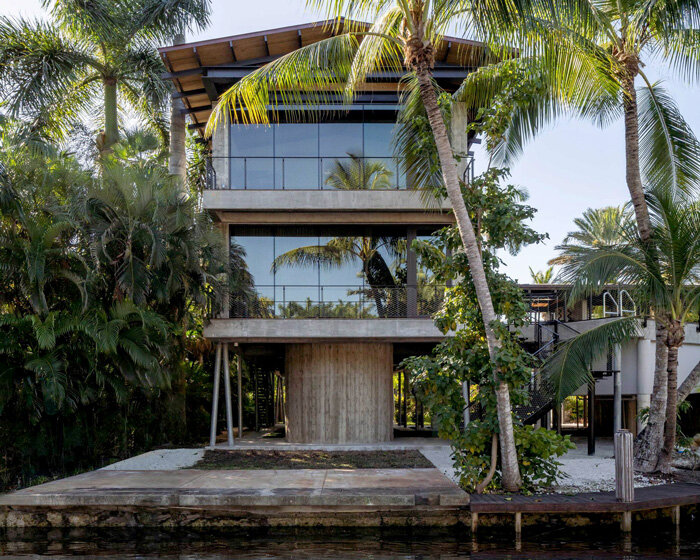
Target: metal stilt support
227,391
215,396
239,375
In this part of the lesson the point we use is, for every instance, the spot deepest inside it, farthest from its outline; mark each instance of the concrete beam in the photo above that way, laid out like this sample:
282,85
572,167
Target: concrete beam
323,330
319,200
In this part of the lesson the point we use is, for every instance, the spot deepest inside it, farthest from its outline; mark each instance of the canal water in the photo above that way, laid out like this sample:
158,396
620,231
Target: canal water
181,544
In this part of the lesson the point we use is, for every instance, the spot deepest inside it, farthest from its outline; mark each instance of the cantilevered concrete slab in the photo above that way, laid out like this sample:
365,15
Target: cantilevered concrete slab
325,206
323,330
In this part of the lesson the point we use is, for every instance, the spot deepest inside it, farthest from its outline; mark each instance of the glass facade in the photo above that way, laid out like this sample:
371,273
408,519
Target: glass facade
340,272
329,155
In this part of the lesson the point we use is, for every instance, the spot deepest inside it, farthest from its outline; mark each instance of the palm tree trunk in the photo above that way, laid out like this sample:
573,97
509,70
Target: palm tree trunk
648,445
509,459
177,166
633,174
676,335
111,133
689,384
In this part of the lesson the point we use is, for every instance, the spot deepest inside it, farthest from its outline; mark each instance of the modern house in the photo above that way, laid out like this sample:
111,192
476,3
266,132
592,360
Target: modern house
326,218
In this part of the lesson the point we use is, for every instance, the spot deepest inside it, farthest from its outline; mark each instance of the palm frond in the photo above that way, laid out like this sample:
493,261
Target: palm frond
669,150
569,367
304,80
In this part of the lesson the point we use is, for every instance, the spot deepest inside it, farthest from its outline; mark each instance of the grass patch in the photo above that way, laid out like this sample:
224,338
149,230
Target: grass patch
258,459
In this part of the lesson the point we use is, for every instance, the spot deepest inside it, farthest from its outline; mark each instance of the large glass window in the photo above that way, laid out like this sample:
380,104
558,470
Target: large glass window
328,155
351,272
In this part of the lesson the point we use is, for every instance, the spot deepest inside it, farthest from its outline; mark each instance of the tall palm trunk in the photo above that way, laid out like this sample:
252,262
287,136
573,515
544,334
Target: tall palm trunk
177,165
676,336
649,443
633,174
509,459
649,447
111,131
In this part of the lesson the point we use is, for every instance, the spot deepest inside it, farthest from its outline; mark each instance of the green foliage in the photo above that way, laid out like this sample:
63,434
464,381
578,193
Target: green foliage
499,215
104,285
537,451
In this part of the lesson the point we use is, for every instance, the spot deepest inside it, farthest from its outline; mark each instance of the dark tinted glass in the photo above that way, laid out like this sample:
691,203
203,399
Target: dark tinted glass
378,139
340,139
259,173
296,140
252,140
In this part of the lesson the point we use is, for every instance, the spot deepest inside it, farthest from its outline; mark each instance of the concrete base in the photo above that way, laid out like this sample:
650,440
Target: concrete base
188,497
339,393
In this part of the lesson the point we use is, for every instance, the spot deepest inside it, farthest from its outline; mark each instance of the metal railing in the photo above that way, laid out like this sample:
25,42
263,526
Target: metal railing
309,173
338,302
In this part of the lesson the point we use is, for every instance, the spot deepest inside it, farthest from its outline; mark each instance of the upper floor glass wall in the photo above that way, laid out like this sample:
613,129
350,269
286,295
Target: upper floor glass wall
342,272
329,155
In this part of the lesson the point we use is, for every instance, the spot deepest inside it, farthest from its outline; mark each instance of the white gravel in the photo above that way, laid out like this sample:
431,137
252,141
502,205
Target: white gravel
580,472
159,460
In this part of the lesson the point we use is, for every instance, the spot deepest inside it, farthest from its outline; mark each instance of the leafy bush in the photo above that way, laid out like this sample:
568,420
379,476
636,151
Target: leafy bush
537,449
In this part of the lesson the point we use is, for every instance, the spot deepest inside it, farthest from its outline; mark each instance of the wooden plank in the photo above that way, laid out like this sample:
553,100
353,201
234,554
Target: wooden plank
652,497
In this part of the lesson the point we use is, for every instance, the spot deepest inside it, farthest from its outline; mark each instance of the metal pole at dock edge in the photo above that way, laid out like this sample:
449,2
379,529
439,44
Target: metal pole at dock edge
215,395
227,391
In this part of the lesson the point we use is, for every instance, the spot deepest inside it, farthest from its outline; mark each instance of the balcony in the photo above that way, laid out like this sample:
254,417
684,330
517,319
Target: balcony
257,194
338,302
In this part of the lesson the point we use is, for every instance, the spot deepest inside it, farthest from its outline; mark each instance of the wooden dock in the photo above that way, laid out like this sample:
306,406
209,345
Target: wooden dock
663,496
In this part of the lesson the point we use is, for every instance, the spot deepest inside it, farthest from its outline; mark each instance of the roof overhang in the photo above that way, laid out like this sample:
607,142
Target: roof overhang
202,70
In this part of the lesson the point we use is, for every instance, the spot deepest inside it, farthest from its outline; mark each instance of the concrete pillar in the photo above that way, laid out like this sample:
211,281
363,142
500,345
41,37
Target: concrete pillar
339,393
458,135
645,375
617,388
220,155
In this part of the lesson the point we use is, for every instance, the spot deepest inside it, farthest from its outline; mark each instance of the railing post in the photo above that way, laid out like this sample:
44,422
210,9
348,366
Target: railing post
624,474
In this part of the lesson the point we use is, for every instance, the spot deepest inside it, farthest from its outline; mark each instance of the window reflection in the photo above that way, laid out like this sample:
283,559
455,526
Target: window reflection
336,155
304,272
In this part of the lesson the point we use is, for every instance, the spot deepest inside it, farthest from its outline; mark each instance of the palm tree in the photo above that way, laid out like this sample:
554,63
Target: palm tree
597,228
52,71
588,61
403,36
542,276
672,290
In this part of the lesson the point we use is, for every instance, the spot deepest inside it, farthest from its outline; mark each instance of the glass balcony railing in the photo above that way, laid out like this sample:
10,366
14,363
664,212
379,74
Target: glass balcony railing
311,173
338,302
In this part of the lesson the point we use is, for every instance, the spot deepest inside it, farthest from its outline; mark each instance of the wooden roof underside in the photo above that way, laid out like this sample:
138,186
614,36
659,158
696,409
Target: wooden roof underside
202,70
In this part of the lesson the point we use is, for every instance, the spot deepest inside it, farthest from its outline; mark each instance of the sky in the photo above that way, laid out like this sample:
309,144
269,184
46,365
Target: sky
569,167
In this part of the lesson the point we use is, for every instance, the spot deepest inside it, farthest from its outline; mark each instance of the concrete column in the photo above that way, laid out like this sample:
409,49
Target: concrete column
645,375
411,276
458,135
339,393
220,154
617,388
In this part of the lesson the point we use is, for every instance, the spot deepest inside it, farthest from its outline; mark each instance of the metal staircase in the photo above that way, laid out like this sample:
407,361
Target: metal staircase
540,392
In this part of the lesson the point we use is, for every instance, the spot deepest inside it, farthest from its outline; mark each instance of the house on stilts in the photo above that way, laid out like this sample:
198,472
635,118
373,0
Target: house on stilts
325,218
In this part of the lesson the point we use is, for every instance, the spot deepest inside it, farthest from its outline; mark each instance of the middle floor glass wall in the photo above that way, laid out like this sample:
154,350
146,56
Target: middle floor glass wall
343,272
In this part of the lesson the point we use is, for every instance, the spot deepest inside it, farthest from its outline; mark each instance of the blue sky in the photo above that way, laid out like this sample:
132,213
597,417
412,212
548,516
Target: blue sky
566,169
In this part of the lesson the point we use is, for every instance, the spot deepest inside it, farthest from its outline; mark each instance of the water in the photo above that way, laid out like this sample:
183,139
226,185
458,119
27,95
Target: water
404,544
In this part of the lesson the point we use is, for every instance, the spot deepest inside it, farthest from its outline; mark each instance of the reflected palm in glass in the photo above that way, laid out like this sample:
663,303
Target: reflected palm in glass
382,285
357,173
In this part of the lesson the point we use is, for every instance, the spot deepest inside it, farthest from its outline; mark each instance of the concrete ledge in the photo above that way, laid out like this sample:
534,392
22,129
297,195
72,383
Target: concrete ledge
319,201
323,330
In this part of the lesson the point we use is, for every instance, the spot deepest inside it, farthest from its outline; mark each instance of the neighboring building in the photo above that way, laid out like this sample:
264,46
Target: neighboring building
326,219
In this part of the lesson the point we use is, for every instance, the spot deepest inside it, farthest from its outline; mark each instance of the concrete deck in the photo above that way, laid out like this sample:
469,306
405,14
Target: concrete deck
189,497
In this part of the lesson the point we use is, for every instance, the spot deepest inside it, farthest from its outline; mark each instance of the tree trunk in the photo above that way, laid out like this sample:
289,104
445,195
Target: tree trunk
177,166
509,459
649,443
689,384
676,335
633,174
111,131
